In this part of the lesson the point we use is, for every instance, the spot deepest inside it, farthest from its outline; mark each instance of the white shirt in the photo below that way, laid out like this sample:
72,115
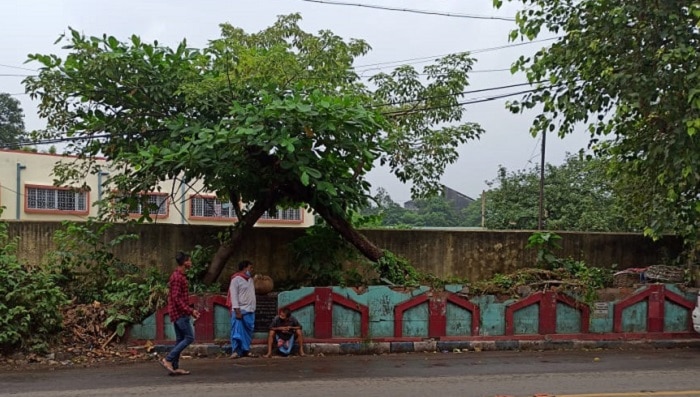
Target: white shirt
242,293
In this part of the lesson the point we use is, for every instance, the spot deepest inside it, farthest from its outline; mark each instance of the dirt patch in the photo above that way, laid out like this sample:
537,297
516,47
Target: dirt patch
62,358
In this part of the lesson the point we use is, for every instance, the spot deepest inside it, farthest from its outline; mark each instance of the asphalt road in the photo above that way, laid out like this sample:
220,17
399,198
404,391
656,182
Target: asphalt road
609,373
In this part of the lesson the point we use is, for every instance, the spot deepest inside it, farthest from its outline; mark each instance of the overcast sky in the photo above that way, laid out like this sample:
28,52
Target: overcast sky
396,37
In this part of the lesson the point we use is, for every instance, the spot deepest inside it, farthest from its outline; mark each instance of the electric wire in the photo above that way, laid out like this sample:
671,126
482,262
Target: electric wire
426,12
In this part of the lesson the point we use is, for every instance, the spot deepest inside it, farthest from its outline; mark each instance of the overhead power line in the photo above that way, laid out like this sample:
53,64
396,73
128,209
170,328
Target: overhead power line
370,66
426,12
433,57
17,67
470,101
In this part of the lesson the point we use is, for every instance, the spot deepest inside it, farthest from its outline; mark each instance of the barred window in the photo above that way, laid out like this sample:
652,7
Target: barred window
56,199
157,204
289,214
211,207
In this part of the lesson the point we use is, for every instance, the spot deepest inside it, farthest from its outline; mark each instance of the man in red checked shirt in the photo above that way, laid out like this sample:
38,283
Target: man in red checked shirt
181,314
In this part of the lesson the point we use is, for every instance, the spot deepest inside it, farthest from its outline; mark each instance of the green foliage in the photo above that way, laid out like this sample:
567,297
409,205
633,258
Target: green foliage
30,318
630,72
201,258
396,270
86,269
275,118
502,281
593,277
319,256
545,243
84,261
433,211
12,132
578,195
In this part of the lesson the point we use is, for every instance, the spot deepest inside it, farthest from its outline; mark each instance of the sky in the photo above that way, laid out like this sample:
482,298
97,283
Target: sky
396,37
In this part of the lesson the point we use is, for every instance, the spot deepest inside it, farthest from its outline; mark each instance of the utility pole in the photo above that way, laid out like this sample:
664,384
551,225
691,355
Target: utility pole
540,220
483,208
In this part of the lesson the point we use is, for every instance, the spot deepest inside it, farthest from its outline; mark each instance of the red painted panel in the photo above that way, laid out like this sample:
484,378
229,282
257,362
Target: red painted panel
323,316
437,316
548,313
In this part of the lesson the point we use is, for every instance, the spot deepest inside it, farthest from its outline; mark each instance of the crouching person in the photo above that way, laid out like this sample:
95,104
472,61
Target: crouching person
284,331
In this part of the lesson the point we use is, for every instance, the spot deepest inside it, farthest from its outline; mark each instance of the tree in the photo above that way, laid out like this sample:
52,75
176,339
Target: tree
578,195
433,211
12,132
274,118
388,212
630,71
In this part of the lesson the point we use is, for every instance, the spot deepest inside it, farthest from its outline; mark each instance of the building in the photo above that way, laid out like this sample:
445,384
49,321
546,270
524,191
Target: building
27,192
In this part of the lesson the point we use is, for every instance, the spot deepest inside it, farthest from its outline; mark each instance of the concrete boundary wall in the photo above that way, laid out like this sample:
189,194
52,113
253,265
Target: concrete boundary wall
471,254
381,314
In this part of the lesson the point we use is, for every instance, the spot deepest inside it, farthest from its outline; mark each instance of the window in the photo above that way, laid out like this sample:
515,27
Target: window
211,207
55,199
289,214
157,205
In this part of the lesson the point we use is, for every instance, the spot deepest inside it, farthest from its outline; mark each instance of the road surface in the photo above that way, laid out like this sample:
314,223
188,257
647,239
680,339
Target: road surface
609,373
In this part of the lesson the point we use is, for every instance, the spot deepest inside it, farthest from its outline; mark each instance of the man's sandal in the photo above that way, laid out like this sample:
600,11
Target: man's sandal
165,364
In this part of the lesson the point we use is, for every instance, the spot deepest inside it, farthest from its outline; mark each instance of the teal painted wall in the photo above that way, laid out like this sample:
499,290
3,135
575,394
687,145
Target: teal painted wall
526,320
382,301
568,319
602,321
222,322
634,318
146,330
493,314
459,320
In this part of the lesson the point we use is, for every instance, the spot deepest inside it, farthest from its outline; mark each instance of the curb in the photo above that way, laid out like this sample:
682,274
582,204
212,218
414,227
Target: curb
370,348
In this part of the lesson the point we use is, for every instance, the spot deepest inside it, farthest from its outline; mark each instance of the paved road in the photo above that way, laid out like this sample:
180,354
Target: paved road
664,373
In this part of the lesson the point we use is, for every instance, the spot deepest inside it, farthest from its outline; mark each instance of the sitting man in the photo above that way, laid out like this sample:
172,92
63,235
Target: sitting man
284,329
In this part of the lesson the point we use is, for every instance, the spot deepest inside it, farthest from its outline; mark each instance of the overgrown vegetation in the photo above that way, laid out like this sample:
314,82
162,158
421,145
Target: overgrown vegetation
29,299
545,243
81,293
86,269
550,271
321,256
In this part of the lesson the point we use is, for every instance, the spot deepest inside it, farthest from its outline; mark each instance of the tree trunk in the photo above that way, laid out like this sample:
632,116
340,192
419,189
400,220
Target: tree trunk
240,230
348,232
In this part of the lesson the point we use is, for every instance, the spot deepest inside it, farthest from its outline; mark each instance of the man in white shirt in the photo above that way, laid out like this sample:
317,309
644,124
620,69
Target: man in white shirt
242,299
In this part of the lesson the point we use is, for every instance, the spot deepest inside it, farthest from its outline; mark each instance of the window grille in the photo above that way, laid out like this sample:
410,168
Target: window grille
56,199
211,207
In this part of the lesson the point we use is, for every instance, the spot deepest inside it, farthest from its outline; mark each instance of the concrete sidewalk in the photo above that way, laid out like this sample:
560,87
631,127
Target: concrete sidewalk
454,346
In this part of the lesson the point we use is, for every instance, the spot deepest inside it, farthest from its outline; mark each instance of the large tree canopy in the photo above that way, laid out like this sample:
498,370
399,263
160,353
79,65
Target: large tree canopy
12,131
630,71
274,118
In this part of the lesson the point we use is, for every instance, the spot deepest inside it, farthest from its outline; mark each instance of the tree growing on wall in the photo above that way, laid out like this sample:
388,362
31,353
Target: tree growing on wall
12,132
630,71
271,119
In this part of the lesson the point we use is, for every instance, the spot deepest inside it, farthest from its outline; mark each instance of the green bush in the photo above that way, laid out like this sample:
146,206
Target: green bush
87,270
319,257
30,301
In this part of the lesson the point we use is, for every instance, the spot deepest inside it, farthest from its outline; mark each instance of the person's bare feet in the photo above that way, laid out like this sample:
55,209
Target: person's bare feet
301,353
268,355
